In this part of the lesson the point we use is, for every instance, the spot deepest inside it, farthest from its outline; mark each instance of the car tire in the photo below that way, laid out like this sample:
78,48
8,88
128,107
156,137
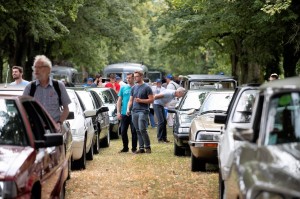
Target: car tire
81,163
221,185
90,154
178,151
197,164
106,141
97,143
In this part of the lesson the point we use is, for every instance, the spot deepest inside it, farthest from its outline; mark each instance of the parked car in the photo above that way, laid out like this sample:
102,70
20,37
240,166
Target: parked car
266,164
33,154
110,98
82,130
185,112
203,81
238,115
204,133
102,122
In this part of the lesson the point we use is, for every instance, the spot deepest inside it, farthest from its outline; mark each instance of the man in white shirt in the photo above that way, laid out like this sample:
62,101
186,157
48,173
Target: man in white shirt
172,86
17,74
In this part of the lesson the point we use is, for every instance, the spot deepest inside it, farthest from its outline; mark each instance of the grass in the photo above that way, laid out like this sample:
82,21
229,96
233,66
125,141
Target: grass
156,175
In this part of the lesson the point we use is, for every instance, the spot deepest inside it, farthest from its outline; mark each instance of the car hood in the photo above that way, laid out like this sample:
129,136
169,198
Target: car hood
206,122
12,158
276,166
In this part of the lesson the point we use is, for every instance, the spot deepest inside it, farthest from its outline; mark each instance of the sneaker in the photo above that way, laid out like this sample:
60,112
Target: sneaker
123,151
148,150
140,151
133,150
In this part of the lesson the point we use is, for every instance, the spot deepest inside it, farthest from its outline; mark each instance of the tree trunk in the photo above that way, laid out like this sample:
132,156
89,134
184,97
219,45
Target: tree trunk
290,59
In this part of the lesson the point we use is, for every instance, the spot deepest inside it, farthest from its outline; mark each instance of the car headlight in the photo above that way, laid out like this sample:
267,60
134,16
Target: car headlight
185,119
183,130
8,189
268,195
204,136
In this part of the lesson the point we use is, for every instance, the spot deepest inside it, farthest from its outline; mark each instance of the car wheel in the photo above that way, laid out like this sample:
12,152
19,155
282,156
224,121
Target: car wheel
178,151
97,143
90,154
197,164
81,163
221,185
106,141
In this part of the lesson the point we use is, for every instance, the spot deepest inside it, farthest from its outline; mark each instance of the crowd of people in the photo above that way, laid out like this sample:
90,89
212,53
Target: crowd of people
139,104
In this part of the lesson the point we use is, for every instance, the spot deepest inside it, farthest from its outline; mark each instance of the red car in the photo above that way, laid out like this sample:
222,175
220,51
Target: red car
33,153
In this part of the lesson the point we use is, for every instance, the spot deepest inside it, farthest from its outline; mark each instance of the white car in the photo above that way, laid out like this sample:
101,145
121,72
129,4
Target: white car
82,128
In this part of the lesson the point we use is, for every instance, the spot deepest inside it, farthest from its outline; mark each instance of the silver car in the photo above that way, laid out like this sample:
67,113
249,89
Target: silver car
204,133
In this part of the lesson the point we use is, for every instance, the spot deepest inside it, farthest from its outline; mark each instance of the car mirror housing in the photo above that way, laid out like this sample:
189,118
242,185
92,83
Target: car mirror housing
103,109
90,113
171,111
71,115
243,134
220,118
53,139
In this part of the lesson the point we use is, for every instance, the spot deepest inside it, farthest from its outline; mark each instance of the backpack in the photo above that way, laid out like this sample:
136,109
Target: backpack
56,88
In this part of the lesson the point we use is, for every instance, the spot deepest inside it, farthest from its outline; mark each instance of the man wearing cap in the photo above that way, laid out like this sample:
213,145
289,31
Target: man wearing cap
156,89
160,101
90,83
120,81
45,92
173,86
273,77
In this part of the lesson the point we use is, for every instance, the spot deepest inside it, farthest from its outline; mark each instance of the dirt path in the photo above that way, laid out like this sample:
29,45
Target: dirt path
156,175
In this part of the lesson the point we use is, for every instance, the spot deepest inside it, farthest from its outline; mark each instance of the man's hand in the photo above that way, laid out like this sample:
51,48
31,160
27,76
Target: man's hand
119,116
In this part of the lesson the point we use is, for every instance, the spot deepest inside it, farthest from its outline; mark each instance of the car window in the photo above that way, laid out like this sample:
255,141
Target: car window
107,96
86,99
192,100
243,110
39,120
283,119
12,129
216,101
74,106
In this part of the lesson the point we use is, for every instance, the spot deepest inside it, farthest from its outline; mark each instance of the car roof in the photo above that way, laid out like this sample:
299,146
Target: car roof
205,77
291,82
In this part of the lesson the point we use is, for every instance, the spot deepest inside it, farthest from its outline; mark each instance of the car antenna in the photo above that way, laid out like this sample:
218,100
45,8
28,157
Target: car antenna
6,76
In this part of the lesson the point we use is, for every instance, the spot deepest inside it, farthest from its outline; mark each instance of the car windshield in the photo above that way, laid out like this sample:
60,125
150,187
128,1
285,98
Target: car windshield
193,100
107,97
216,102
283,119
12,131
243,110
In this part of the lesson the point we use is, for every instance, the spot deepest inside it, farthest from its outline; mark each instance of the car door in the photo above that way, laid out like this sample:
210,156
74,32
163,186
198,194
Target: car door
50,159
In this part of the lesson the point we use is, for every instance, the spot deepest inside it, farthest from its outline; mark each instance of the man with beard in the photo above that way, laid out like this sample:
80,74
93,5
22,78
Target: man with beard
141,97
17,74
50,93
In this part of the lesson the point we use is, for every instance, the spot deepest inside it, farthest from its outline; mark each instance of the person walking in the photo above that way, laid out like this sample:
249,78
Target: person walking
140,97
160,101
126,120
17,74
50,93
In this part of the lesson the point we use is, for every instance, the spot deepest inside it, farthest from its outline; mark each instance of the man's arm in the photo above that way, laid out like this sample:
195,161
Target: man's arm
129,105
119,102
64,114
158,96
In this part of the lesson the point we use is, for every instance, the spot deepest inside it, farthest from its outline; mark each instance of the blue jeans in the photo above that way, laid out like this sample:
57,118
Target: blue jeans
125,122
140,121
159,111
151,117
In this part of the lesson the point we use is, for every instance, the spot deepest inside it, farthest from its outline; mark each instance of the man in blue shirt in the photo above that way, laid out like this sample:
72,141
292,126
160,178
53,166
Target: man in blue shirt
17,73
160,101
126,120
140,98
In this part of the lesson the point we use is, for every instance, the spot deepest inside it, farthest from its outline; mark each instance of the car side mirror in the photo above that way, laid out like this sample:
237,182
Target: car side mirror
50,140
220,118
103,109
71,115
171,111
243,134
90,113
